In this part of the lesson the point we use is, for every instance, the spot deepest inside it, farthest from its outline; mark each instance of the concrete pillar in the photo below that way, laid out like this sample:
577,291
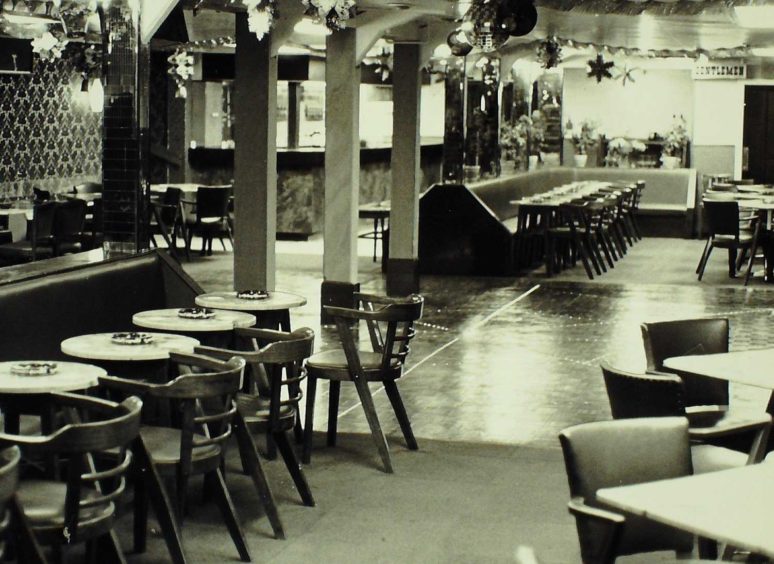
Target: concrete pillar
403,264
342,168
255,160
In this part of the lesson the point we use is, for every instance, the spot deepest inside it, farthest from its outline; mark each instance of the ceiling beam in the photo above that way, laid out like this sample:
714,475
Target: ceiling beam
371,32
290,13
153,13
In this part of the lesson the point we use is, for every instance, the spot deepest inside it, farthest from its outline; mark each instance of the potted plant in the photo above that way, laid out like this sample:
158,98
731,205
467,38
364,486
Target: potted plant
675,142
536,136
584,140
618,151
514,140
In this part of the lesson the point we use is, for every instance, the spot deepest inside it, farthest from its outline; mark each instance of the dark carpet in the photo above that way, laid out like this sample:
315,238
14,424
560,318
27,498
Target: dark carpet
448,502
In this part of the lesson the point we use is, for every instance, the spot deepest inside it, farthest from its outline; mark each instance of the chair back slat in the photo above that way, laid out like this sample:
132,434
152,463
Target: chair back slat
722,217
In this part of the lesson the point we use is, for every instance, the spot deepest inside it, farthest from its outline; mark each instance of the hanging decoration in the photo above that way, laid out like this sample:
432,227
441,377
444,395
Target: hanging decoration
627,74
517,17
49,47
549,53
260,16
485,20
181,70
459,42
86,59
539,47
599,68
334,13
382,62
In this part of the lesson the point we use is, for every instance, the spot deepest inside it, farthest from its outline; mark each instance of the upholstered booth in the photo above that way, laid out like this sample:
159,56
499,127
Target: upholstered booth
473,228
49,301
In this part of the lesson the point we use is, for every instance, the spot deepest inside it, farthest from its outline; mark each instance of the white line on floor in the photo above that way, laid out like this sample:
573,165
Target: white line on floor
480,323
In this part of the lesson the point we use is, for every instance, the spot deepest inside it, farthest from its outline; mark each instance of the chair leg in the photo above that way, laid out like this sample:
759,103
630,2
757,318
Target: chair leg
703,265
585,259
27,547
289,456
753,251
732,262
226,506
740,258
140,512
250,458
333,411
311,389
373,422
703,254
162,506
391,387
109,549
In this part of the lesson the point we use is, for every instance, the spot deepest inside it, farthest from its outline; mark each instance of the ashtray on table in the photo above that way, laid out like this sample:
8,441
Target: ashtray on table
196,313
253,295
34,368
131,338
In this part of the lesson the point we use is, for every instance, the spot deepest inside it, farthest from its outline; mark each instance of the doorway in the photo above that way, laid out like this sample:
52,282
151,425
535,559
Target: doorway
758,152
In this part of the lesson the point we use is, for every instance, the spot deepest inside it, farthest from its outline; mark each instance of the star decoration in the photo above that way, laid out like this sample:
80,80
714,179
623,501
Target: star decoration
628,74
599,68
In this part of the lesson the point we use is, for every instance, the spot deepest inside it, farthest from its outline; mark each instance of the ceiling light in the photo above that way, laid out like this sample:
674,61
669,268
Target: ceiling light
308,27
759,17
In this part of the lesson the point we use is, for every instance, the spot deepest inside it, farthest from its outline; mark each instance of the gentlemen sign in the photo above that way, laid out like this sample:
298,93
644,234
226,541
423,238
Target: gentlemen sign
715,71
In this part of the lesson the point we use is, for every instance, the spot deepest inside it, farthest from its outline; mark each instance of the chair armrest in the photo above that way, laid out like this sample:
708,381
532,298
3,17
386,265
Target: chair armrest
578,507
220,354
731,425
348,313
259,333
197,359
136,387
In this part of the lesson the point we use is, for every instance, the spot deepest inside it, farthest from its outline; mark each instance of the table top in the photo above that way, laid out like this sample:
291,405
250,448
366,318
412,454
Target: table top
562,194
752,368
69,377
227,300
374,209
98,346
731,506
186,187
169,320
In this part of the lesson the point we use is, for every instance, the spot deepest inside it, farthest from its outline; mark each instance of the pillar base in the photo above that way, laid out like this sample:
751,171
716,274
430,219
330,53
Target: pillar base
402,277
341,294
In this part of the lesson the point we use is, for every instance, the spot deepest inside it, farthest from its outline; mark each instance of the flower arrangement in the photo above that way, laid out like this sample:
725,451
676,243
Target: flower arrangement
260,16
86,59
514,138
49,47
536,132
584,139
181,70
676,138
638,147
549,53
617,151
334,13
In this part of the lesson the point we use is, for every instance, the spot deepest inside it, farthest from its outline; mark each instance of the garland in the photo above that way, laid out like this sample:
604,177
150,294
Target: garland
334,13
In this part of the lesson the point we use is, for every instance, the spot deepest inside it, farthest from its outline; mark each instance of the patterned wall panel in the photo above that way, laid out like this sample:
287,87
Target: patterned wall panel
49,137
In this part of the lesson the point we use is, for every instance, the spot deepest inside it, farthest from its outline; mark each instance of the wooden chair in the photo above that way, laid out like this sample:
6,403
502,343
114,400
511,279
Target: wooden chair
661,395
82,508
204,402
168,217
724,233
390,324
616,453
276,358
571,235
211,219
14,526
39,242
67,231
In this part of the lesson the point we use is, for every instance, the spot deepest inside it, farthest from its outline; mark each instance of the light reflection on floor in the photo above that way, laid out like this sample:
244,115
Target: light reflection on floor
519,372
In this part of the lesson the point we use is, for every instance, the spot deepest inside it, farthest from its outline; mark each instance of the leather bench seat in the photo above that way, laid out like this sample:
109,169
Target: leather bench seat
40,312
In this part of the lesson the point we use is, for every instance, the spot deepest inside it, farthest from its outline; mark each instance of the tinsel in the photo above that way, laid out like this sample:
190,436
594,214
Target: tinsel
549,52
261,15
638,7
181,70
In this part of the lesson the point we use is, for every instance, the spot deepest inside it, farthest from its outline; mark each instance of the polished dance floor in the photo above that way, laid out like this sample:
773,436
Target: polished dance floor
514,360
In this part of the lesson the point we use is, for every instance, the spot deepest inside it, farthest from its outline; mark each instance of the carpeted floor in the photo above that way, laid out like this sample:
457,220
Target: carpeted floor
447,502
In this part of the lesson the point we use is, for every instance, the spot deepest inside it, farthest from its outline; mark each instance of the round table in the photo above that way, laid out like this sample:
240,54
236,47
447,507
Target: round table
169,320
69,377
272,312
99,346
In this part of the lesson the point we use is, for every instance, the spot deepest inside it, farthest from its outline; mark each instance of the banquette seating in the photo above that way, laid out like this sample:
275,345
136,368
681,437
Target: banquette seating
49,305
474,229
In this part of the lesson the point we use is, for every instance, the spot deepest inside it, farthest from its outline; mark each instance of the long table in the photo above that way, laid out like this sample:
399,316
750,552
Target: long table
730,506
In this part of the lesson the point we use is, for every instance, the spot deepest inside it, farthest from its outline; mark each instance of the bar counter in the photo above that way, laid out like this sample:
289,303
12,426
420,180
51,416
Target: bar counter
301,180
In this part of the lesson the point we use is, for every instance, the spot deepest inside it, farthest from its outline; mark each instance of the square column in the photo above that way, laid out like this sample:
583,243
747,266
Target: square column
342,168
403,264
255,160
